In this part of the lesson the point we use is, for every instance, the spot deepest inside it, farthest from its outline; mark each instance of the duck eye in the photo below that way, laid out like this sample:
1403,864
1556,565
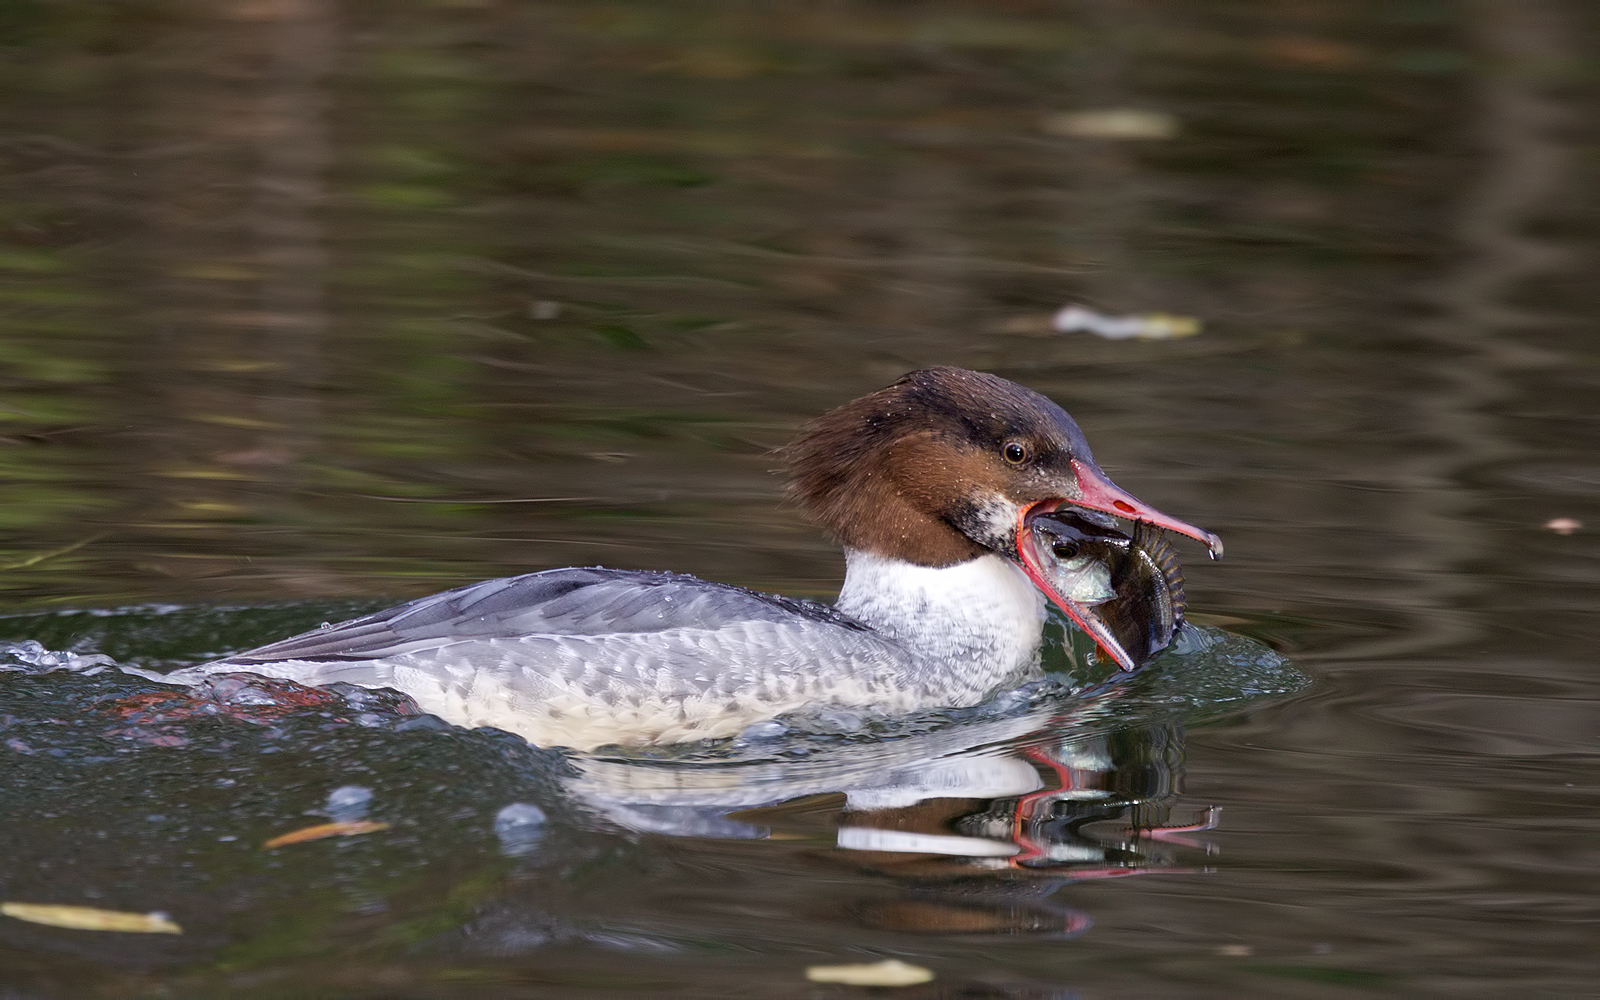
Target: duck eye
1016,453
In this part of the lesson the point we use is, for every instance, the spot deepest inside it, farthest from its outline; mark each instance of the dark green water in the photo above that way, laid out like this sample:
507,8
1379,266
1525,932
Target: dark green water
305,306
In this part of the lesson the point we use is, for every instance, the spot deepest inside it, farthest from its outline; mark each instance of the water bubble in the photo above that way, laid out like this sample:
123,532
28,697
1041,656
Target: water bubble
520,827
348,803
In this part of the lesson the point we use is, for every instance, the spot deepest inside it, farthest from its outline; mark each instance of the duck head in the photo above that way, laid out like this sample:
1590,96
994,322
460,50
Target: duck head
947,465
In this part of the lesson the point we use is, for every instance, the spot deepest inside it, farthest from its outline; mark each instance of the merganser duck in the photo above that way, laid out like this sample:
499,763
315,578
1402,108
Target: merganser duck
928,484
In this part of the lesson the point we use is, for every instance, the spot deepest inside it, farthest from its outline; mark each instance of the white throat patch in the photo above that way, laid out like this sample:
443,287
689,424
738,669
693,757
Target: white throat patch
982,617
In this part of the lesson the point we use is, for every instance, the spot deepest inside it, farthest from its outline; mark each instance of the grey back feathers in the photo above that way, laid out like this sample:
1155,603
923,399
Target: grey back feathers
579,602
586,657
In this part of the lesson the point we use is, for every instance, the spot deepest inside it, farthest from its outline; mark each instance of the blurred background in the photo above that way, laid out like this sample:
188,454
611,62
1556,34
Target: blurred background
304,299
297,295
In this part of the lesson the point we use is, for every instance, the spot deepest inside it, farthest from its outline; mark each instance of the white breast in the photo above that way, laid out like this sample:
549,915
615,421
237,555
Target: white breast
981,619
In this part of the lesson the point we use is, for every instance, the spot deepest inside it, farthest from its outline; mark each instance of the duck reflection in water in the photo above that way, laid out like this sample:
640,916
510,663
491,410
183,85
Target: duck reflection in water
976,837
1104,813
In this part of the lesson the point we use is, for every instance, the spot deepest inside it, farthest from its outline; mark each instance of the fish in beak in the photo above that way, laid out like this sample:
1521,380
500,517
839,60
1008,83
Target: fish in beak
1124,590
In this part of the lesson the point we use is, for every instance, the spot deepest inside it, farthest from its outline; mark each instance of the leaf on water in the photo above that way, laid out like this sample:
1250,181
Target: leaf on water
322,830
890,972
87,918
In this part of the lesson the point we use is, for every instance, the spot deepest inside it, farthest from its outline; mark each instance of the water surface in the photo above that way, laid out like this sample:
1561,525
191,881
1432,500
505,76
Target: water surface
308,306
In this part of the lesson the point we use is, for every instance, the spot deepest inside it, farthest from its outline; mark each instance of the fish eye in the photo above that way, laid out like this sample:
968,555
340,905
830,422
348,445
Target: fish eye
1016,452
1065,548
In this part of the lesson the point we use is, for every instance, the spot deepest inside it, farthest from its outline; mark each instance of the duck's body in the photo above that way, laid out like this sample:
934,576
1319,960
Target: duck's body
586,657
923,483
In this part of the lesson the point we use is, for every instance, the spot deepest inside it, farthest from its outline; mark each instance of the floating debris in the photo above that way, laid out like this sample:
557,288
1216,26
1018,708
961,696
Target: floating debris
322,831
890,972
1563,525
88,918
1149,326
1113,123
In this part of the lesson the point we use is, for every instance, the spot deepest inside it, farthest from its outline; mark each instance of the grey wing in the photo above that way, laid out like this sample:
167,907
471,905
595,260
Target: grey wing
583,657
575,602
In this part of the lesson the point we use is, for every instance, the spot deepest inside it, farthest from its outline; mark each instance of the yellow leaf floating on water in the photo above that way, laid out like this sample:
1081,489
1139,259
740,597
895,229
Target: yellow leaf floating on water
87,918
322,830
890,972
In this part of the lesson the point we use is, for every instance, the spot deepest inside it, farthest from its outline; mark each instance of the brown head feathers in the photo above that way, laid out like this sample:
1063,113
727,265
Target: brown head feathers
935,468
